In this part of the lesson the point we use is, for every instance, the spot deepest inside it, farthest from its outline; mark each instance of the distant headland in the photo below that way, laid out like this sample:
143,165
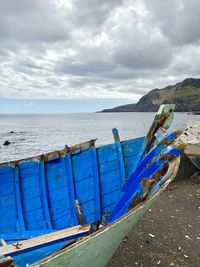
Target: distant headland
185,94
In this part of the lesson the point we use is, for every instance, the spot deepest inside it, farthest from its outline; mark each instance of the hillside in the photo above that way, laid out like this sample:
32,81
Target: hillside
185,94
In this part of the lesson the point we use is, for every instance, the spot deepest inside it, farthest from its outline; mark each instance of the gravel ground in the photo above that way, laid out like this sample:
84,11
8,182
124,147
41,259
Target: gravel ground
168,235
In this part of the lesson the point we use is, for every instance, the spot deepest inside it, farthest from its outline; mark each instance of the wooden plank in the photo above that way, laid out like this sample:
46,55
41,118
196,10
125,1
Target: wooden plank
83,173
86,180
163,119
32,195
58,194
47,221
110,186
71,188
109,176
82,160
43,240
130,164
132,147
106,153
120,156
20,222
110,166
96,185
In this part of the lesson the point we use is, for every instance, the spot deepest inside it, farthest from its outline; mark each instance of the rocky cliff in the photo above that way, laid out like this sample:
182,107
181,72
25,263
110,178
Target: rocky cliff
185,94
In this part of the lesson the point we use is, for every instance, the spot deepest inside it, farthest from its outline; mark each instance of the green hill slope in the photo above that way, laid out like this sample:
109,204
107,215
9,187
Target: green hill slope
186,96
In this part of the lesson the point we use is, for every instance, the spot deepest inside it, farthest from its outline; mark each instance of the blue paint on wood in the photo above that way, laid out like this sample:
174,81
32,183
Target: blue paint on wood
58,191
143,164
120,156
155,151
8,209
20,220
96,184
47,220
109,167
123,204
110,178
106,153
70,181
32,205
86,182
132,147
132,151
48,190
153,162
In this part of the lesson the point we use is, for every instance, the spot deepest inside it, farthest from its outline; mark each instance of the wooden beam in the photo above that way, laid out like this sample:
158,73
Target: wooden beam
96,184
71,186
163,119
20,221
44,240
45,206
120,156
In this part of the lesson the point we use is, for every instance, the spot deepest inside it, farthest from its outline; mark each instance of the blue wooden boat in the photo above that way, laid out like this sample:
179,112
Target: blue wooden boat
74,206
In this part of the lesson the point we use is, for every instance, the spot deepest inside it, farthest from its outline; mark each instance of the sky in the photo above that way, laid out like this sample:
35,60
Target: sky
86,55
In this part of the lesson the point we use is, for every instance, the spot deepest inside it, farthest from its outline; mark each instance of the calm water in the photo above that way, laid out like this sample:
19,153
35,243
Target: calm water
36,134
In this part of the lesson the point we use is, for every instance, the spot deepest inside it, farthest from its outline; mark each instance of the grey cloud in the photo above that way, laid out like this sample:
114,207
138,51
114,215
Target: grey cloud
53,81
139,45
26,22
29,63
187,29
115,48
145,56
24,70
83,68
93,13
178,20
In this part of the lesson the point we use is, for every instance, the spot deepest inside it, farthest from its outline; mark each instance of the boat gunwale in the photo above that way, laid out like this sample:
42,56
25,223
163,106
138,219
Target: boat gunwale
171,174
52,154
73,149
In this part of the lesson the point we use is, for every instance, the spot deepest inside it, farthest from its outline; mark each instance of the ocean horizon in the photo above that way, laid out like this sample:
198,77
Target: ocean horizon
33,134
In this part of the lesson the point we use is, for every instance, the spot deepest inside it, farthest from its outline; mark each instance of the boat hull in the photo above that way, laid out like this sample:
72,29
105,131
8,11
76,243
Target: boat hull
97,249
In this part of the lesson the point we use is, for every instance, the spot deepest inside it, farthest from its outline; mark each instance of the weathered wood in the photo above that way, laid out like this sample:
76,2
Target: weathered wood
43,240
47,221
190,140
71,187
20,225
120,156
96,249
163,119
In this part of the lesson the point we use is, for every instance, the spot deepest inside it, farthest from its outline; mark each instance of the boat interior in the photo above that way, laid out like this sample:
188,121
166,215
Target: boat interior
62,189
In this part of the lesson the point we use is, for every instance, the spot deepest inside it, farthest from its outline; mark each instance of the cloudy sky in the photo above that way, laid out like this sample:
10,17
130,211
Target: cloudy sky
85,55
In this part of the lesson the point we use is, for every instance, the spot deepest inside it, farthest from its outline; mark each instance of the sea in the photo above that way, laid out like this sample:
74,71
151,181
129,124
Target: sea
31,135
